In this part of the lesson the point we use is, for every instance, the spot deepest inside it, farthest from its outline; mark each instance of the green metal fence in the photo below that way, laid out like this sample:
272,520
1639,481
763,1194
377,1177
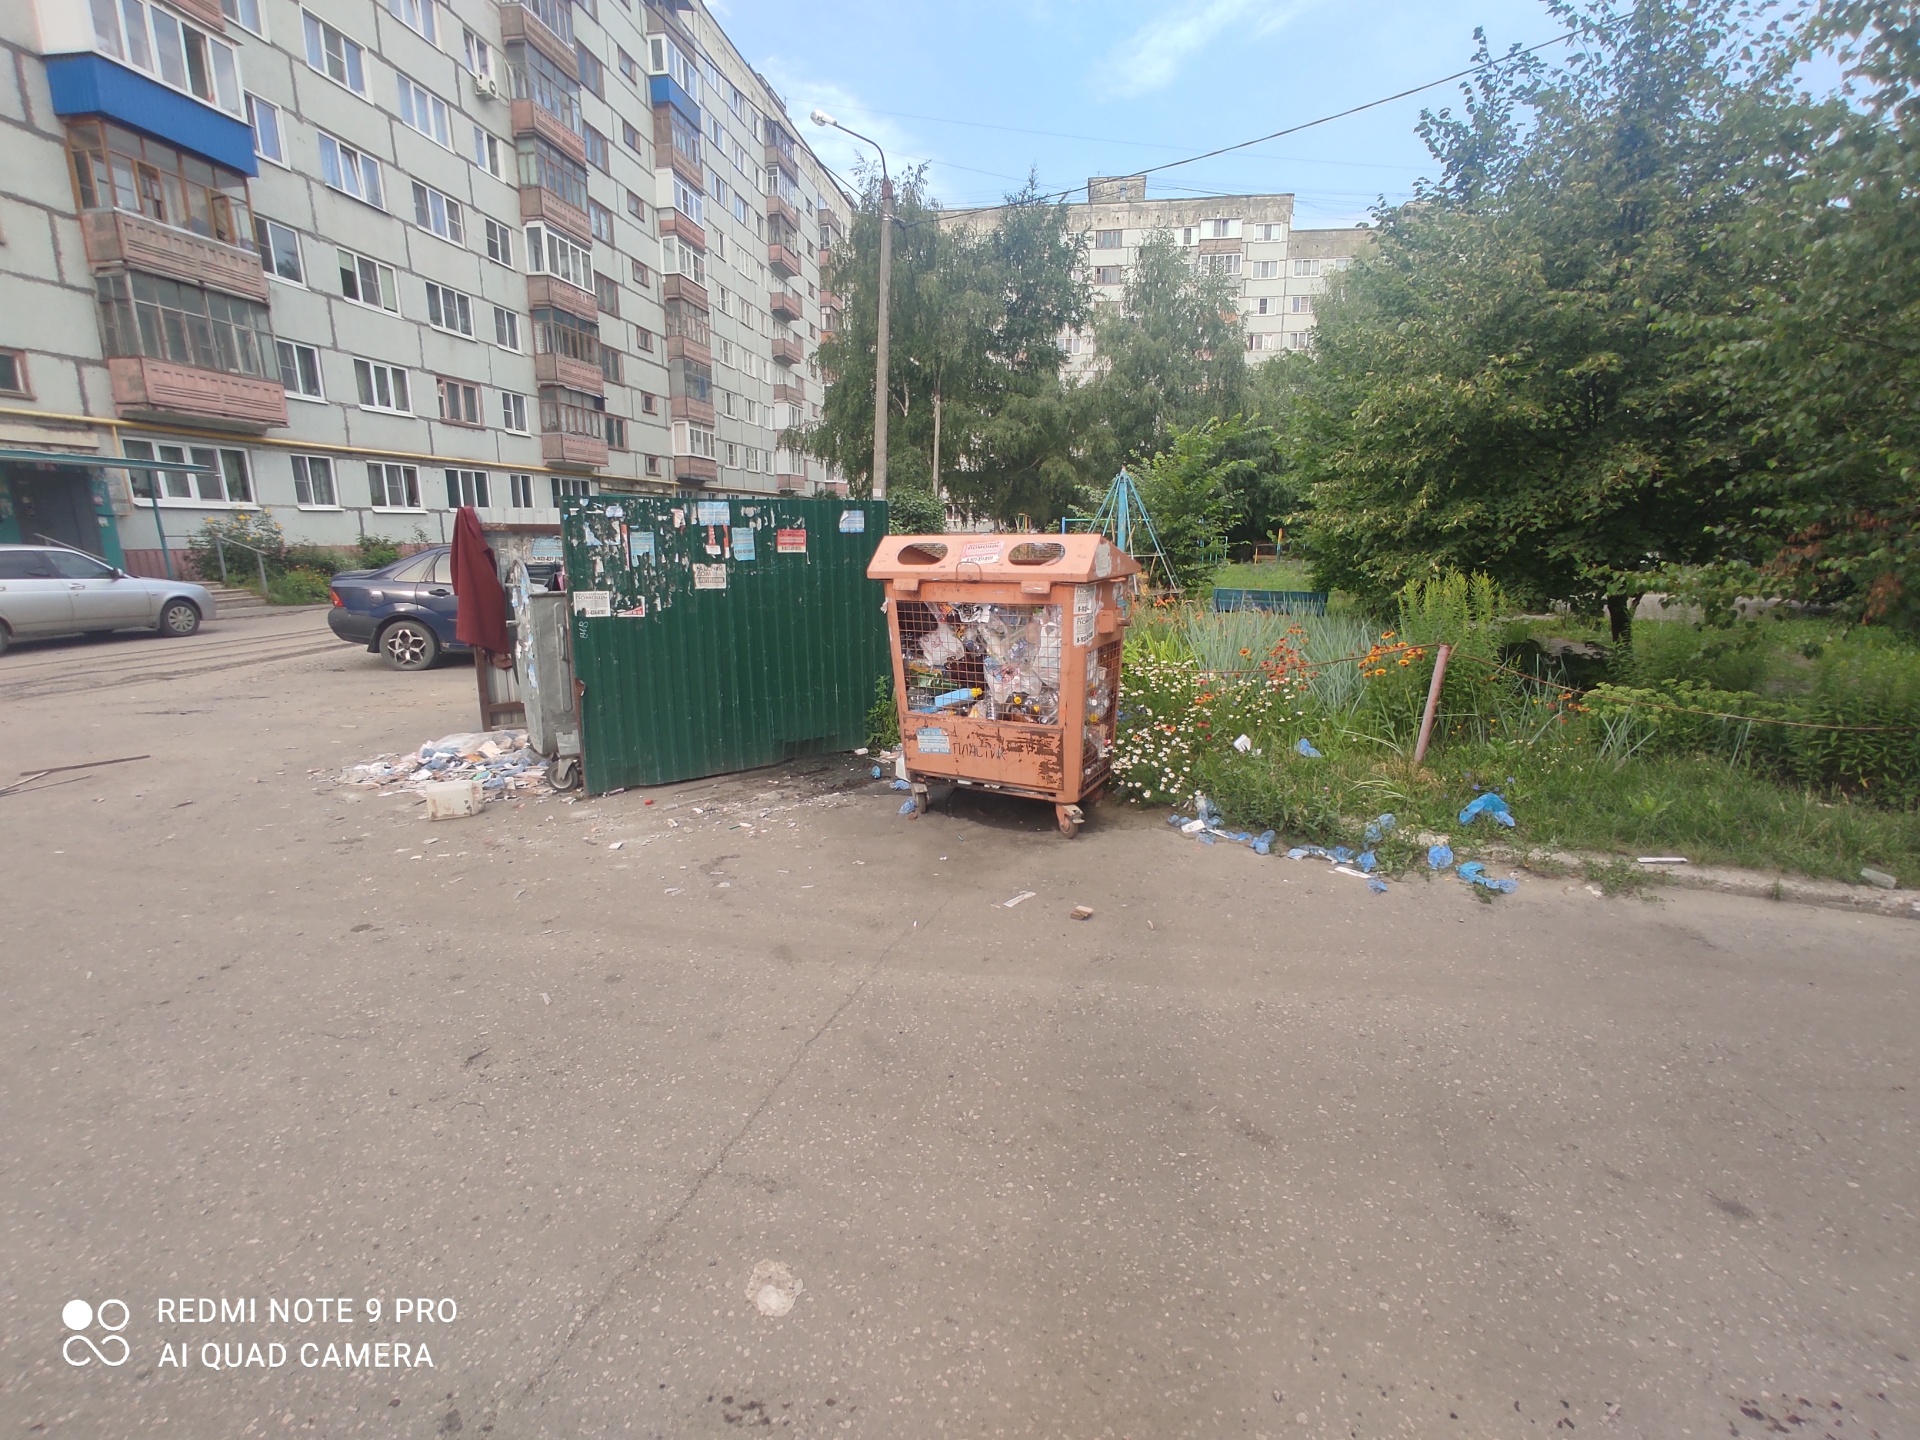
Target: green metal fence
716,635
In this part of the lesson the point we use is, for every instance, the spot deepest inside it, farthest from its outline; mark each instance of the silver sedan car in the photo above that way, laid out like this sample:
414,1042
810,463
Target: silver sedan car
45,590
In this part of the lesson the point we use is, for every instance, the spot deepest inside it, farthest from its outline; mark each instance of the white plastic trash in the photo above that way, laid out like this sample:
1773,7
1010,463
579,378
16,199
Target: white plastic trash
452,799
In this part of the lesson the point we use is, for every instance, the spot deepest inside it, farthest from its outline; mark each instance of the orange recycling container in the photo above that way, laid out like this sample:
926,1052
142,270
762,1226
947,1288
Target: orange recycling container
1006,660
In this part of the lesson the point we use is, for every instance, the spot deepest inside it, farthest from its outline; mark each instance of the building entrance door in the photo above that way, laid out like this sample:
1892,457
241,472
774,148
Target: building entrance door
54,504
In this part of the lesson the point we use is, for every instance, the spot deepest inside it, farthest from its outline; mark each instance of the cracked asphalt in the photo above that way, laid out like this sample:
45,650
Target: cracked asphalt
1251,1152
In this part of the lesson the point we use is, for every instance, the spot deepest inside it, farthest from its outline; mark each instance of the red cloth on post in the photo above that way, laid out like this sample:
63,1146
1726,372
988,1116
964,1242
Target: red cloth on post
481,620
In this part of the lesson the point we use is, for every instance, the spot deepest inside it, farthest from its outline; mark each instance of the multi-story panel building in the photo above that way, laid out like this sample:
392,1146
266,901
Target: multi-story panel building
365,261
1278,270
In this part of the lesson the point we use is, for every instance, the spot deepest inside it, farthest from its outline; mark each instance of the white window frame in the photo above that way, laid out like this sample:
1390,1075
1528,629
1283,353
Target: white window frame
447,308
170,64
513,412
506,328
499,242
696,440
283,349
266,251
519,491
447,218
467,487
371,376
545,245
1266,270
1305,268
566,486
245,14
423,111
384,278
443,385
488,153
386,474
276,123
307,473
353,55
186,489
477,52
417,16
351,172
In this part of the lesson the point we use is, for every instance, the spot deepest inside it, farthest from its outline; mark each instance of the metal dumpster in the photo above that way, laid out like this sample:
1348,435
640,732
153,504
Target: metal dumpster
1006,660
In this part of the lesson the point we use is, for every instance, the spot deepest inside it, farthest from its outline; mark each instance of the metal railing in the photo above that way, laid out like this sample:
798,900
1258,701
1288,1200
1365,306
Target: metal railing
220,543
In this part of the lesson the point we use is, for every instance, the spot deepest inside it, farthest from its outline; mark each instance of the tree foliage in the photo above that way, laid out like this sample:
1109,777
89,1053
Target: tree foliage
1212,481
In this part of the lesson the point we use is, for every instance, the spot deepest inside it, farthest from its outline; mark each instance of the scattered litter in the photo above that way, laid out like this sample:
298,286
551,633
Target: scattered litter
877,772
1367,861
1023,895
545,999
1474,873
499,761
1244,744
1377,885
861,751
1663,860
1349,870
616,845
452,799
1301,852
1342,854
1305,747
1383,826
1880,878
1439,857
773,1288
1597,891
1263,843
1081,912
897,784
1490,805
907,807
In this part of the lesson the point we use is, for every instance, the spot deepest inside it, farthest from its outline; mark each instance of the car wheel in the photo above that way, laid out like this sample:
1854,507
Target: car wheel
409,645
6,638
179,617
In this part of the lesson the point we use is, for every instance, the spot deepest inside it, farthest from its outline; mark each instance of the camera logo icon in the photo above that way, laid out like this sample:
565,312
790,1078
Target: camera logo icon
79,1317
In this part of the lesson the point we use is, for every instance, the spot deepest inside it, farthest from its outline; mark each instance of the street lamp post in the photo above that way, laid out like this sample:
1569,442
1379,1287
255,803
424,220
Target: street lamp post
820,117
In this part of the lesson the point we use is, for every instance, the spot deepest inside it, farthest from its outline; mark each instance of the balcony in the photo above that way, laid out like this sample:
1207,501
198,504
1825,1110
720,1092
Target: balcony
205,12
526,22
539,203
696,470
553,368
782,261
787,350
790,484
685,407
777,205
687,167
532,119
679,287
784,305
548,291
678,224
557,447
682,347
781,150
161,390
790,392
118,237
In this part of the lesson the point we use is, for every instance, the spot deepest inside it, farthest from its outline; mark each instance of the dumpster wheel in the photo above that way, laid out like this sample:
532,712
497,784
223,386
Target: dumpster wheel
564,774
1071,818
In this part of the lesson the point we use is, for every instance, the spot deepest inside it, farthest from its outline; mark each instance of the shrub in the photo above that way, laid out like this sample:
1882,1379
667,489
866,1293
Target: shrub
254,529
915,512
321,559
373,551
883,718
297,587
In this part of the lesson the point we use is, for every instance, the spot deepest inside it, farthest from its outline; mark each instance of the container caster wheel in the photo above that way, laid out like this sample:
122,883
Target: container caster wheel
922,802
565,773
1071,818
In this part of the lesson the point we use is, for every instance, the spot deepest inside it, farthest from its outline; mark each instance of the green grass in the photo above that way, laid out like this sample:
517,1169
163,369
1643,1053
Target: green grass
1268,575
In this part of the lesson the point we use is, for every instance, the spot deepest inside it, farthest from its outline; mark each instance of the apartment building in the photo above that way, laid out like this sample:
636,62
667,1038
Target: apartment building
365,261
1251,238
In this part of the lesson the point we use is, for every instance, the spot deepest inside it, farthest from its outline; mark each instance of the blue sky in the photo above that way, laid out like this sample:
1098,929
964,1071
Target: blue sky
1095,87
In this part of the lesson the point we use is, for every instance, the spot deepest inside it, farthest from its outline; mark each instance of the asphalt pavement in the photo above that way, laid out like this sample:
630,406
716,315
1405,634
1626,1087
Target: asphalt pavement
757,1108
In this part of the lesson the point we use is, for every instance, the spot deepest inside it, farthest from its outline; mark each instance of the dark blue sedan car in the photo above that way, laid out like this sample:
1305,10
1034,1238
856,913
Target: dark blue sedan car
404,610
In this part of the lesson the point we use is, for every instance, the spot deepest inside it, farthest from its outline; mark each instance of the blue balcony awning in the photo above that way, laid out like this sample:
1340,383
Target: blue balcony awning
95,85
665,90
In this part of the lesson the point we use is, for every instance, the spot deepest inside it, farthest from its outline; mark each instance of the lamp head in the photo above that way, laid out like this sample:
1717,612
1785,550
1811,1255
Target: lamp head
820,117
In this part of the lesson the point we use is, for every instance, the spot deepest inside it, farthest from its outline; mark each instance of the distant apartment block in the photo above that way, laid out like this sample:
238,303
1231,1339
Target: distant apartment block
1278,271
365,261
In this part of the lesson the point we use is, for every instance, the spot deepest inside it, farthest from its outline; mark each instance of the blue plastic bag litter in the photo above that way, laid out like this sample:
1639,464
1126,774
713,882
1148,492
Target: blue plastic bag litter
1367,861
1439,857
876,772
1305,747
1206,838
906,807
1178,819
1263,843
1341,854
1206,810
901,785
1383,826
1301,852
1490,805
1474,873
1377,886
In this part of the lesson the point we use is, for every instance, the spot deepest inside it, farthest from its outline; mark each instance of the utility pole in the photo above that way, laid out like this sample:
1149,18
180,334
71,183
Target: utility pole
880,348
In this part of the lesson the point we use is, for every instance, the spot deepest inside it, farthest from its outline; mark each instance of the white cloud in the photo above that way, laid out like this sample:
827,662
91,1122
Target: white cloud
842,152
1152,56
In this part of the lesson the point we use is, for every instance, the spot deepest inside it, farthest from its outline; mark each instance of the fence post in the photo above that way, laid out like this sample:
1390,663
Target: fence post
260,556
1433,704
220,549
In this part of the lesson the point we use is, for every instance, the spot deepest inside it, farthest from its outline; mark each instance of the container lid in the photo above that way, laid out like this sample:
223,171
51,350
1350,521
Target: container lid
1001,559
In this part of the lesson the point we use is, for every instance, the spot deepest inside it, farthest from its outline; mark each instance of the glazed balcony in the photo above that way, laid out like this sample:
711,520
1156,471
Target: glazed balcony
679,225
789,484
685,347
787,351
539,203
532,119
204,12
696,470
559,447
145,388
553,368
790,391
679,287
119,237
784,305
782,261
557,294
685,407
777,205
540,23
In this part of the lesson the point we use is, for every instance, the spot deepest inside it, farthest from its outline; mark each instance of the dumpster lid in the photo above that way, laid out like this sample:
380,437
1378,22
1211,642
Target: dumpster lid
1003,559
